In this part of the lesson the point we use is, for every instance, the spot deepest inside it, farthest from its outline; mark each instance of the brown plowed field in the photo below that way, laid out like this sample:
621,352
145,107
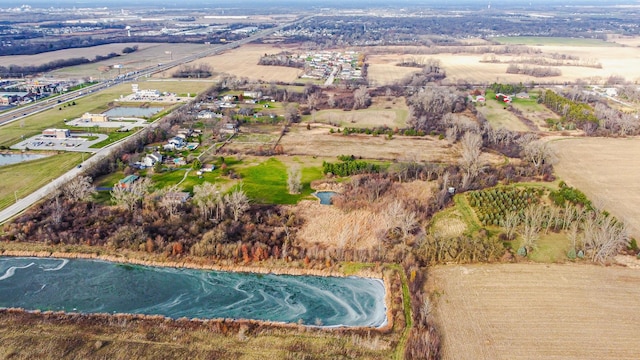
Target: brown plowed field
536,311
606,170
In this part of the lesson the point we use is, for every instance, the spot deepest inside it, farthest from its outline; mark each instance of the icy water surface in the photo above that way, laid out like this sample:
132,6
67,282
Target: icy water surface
90,286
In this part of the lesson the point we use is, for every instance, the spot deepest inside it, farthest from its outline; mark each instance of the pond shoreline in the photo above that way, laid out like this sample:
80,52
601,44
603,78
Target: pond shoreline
376,275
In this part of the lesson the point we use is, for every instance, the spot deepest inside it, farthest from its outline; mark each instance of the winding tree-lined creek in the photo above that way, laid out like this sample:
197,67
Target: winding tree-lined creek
91,286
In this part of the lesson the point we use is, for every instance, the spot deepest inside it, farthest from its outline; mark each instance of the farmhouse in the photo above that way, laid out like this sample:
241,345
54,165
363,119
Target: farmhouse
57,133
87,117
127,181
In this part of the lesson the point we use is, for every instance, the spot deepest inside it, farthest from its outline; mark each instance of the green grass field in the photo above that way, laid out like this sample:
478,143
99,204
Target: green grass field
555,41
266,183
24,178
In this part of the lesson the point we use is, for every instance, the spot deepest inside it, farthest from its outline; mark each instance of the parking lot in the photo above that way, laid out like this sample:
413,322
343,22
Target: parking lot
77,142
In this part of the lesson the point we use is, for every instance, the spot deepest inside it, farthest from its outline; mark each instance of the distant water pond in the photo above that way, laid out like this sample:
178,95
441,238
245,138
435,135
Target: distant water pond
90,286
132,111
18,158
325,196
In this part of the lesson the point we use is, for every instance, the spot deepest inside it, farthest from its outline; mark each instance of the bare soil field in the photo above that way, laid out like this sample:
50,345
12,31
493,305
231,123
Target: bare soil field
147,55
536,311
319,142
243,62
606,170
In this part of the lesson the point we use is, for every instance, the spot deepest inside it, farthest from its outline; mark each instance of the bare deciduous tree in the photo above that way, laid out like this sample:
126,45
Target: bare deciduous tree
129,197
168,200
510,223
238,202
78,189
604,236
294,180
206,197
531,223
361,98
471,150
538,152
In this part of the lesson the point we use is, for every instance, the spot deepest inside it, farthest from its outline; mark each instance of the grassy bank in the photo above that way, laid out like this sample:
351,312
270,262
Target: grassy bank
20,180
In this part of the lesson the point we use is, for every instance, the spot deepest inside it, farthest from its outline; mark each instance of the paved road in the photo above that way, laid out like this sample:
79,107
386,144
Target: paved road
41,193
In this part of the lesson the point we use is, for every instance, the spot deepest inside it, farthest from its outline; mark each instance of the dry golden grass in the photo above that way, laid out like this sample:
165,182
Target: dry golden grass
537,311
383,70
28,337
382,112
319,142
329,226
606,170
467,67
243,62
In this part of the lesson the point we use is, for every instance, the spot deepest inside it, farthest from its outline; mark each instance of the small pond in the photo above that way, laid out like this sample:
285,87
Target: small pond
8,159
91,286
325,196
132,112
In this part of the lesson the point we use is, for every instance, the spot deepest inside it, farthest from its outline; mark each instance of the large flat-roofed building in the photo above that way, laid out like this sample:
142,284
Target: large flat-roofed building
94,117
57,133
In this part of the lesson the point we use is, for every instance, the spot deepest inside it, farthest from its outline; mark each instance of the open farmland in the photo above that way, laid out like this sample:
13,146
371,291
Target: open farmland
391,113
147,55
536,311
606,170
319,142
243,62
552,41
383,70
469,68
88,52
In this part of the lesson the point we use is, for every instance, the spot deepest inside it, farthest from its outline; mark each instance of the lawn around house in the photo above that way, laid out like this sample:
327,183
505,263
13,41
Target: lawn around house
266,183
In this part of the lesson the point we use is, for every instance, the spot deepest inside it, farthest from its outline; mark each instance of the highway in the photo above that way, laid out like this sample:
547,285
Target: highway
17,114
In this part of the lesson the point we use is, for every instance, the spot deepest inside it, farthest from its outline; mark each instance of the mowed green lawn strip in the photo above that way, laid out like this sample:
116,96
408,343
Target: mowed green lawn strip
553,41
266,183
113,137
29,176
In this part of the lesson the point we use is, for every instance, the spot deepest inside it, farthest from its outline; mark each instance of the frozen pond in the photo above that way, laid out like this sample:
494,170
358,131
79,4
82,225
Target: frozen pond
90,286
18,158
325,196
132,112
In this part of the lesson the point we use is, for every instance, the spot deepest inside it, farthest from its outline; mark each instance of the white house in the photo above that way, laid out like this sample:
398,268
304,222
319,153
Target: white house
153,158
